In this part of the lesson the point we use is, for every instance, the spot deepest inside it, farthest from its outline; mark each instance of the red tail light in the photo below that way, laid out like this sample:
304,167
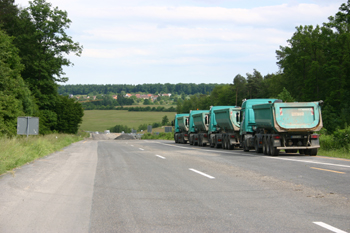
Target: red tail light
277,137
219,140
205,135
185,135
232,136
314,136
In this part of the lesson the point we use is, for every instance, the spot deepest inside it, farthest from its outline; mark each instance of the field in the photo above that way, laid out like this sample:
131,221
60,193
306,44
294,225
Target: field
101,120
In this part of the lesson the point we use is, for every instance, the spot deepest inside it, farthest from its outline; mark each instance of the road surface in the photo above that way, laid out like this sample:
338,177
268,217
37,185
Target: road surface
160,186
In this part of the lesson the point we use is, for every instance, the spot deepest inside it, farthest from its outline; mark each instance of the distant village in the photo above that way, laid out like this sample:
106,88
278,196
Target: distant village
151,97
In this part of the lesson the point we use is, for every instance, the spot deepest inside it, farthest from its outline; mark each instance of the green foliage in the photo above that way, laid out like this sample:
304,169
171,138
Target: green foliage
142,127
179,88
120,128
15,97
41,44
163,136
165,120
340,139
69,115
285,96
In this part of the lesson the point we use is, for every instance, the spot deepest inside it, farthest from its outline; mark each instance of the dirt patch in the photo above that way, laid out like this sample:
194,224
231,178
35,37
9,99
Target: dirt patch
125,137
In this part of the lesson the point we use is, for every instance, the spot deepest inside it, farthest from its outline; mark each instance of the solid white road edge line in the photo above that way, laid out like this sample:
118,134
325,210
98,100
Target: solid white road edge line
308,161
160,156
201,173
329,227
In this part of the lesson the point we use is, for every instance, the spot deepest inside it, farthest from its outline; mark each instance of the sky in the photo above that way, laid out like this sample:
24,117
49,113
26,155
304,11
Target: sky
182,41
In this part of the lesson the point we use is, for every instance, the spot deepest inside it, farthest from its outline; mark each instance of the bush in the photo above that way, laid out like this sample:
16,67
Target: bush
340,139
163,136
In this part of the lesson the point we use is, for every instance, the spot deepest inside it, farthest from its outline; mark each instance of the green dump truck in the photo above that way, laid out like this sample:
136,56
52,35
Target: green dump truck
199,121
227,121
223,127
181,128
282,126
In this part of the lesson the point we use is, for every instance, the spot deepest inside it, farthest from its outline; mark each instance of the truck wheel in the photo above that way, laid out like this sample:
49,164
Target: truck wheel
311,152
175,138
302,152
200,141
228,144
264,146
245,147
184,141
231,147
211,144
273,150
268,146
224,143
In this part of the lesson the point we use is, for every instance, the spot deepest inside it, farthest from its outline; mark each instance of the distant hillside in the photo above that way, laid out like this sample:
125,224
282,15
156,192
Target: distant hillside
186,88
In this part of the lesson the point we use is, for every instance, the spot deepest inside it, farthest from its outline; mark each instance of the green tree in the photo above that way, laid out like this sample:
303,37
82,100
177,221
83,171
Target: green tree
69,115
43,42
15,97
165,120
285,96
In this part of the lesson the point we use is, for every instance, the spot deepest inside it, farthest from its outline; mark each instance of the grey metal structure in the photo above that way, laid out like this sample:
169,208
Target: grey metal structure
28,125
168,129
149,129
134,131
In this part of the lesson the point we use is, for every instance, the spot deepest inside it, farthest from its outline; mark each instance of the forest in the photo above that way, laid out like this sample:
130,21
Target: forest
94,89
33,45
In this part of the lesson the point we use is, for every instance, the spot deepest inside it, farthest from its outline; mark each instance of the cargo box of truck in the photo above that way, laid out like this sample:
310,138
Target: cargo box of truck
288,126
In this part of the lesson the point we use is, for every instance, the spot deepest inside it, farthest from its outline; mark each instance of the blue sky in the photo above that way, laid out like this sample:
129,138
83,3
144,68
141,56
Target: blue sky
182,41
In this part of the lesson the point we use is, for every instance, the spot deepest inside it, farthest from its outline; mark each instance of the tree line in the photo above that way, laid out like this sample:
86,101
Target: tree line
33,45
94,89
315,65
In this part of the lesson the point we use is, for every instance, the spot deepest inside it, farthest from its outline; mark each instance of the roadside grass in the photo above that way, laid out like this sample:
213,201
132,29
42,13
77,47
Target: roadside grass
20,150
336,153
100,120
162,136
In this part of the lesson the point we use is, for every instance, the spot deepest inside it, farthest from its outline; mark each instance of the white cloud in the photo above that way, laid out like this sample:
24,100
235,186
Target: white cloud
201,38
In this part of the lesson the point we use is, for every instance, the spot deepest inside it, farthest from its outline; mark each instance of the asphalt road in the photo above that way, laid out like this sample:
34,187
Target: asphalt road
160,186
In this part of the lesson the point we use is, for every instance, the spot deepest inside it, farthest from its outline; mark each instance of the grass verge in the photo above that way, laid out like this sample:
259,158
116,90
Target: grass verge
20,150
163,136
336,153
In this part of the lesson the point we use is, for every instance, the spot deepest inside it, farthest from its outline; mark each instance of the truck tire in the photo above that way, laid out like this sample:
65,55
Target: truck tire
224,143
264,146
302,152
273,150
231,147
228,144
200,143
311,152
268,146
245,147
211,144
